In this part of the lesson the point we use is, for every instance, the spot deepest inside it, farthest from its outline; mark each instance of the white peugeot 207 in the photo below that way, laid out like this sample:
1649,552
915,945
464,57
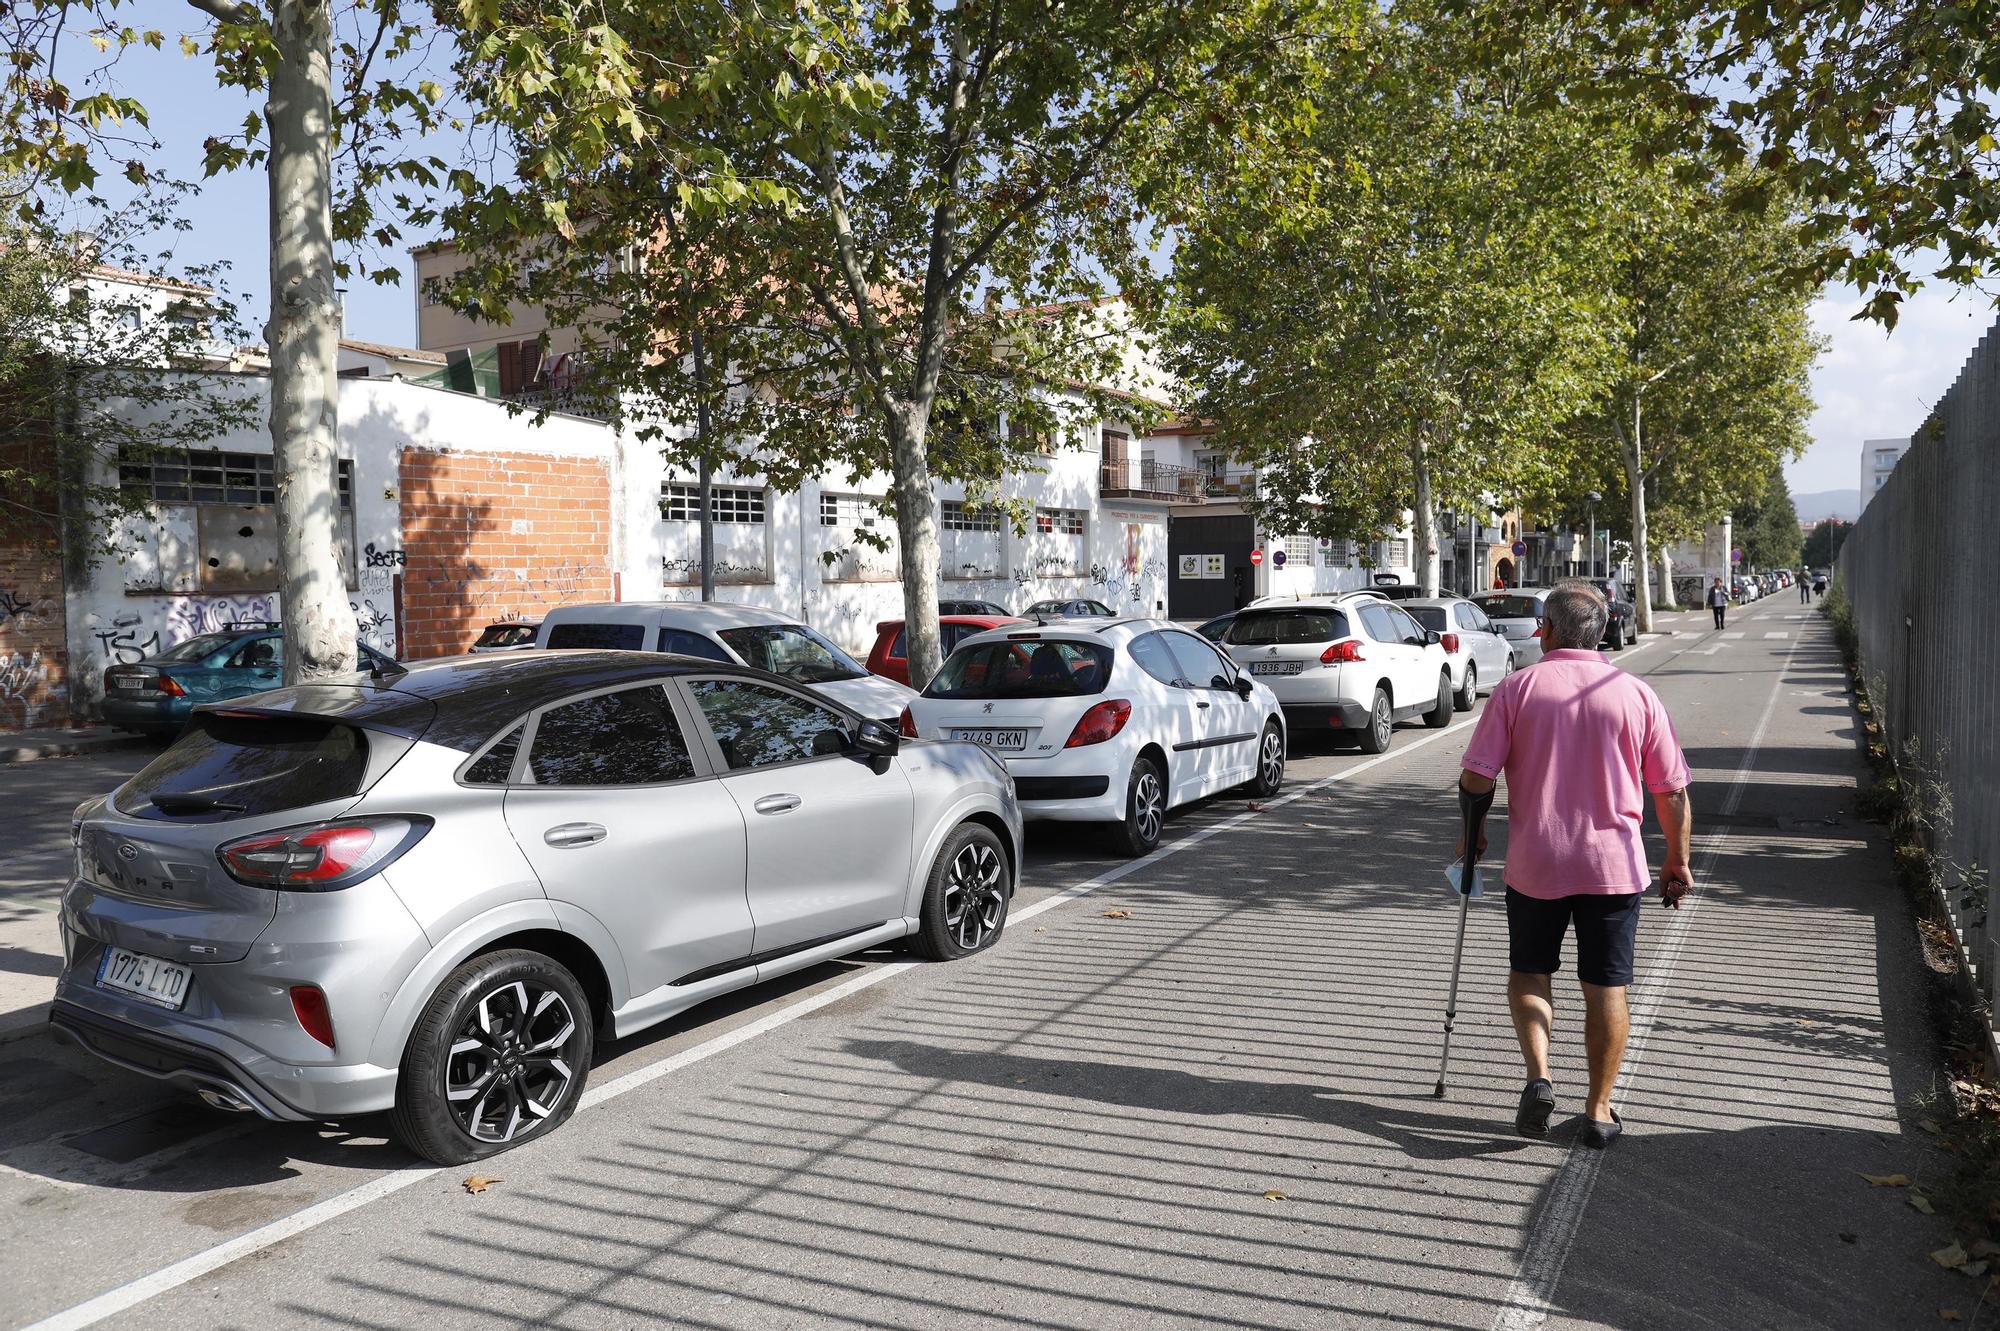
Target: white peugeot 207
1107,720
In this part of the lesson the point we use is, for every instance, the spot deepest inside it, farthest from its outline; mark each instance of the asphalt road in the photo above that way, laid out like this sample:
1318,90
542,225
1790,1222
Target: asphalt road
1213,1110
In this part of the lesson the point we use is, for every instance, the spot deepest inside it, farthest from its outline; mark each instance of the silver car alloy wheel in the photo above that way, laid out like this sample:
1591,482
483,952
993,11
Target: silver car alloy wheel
1271,761
974,892
1149,806
1380,722
507,1068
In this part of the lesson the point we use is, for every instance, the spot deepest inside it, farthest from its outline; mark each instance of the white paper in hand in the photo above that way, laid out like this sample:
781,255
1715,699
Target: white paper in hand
1454,877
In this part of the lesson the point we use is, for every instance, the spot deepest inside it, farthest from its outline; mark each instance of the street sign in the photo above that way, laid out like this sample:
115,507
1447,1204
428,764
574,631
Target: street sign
1277,559
1190,566
1520,548
1256,556
1735,556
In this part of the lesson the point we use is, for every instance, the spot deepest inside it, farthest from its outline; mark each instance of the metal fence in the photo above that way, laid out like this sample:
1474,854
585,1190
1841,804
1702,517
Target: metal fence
1921,571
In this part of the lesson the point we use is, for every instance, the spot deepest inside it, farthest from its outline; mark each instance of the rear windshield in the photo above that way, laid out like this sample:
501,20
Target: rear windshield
1430,616
616,637
1264,628
792,650
508,635
1512,607
244,766
1048,669
194,649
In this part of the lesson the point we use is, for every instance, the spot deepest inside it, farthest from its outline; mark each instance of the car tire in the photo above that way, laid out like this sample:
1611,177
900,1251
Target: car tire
1439,716
1270,763
965,901
1145,809
1617,637
1468,692
548,1051
1374,736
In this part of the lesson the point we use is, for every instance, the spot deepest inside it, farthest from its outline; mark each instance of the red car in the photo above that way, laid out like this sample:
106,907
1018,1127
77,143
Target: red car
890,657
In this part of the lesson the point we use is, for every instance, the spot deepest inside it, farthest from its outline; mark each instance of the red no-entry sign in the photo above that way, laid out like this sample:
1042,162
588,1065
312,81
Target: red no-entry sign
1256,556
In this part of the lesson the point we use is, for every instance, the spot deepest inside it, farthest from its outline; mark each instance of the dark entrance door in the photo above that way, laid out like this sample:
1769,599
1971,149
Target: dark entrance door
1192,542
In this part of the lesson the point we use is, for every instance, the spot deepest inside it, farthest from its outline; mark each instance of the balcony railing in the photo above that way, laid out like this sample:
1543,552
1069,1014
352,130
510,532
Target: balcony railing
1134,478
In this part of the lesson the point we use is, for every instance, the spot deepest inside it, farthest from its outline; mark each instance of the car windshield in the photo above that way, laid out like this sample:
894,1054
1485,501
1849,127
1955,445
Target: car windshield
1023,669
194,649
1430,616
1512,607
244,766
1261,628
792,650
507,635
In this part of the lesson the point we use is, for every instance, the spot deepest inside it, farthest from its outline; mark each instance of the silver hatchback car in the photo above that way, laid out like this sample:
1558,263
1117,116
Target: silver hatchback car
428,892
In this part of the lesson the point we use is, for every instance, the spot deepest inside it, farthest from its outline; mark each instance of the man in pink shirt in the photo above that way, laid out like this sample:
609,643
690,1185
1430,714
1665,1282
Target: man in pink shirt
1578,740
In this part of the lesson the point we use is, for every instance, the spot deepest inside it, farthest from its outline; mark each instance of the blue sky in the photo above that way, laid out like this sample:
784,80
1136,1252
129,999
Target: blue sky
1868,385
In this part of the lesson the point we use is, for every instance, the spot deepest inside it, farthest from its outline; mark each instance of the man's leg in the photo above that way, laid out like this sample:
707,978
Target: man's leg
1606,1022
1531,999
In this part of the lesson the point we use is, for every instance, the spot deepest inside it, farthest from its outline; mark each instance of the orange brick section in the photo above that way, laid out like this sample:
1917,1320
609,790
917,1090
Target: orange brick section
34,655
491,536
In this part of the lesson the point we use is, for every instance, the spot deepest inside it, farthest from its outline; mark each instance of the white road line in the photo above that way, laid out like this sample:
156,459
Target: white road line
1733,636
1781,633
1553,1233
188,1269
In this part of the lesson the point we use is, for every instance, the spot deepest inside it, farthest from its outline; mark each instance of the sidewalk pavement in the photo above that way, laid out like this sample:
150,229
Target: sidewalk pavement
21,746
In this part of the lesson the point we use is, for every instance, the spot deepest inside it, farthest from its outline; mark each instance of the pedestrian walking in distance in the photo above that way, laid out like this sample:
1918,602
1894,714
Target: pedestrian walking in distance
1805,588
1577,739
1718,601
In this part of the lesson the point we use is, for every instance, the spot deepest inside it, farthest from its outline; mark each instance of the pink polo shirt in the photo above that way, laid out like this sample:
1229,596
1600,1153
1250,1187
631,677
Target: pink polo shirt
1576,738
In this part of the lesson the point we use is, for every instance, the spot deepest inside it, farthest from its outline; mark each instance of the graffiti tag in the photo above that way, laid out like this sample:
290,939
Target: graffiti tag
382,558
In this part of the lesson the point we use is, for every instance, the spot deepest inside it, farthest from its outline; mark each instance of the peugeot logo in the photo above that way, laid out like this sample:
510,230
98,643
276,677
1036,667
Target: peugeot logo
1271,650
128,851
988,707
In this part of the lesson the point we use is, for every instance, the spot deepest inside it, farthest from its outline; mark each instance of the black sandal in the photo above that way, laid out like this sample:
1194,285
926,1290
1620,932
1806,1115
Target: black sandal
1538,1105
1599,1136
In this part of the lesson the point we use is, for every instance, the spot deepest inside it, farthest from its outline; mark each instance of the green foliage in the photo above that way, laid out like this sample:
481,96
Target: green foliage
1882,119
66,349
1404,292
1767,526
1822,546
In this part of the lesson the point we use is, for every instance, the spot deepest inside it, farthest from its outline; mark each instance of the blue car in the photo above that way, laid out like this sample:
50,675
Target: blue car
156,696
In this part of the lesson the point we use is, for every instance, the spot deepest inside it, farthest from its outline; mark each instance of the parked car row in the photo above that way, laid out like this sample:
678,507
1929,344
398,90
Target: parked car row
428,889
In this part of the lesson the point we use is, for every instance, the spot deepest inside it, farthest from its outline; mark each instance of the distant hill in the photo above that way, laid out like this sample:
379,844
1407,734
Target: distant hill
1842,504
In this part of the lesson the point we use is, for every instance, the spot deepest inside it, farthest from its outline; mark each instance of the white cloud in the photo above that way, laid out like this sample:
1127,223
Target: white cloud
1876,385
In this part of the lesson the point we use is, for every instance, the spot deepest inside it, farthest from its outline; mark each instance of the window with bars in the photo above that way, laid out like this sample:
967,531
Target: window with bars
1059,521
953,515
837,510
210,476
1059,544
1336,554
726,503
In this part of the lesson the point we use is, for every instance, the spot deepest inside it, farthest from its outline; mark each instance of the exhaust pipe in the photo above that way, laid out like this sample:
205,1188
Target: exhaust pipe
226,1100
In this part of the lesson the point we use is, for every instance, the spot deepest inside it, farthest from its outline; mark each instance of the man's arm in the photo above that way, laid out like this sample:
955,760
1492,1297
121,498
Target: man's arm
1676,816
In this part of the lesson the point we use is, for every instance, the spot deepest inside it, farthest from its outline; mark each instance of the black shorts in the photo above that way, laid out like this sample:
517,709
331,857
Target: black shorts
1607,932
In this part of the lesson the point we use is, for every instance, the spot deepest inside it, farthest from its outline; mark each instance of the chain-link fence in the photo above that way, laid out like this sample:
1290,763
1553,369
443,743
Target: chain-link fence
1921,573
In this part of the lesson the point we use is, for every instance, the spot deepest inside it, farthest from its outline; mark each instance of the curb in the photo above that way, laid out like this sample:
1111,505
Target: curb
34,750
24,1024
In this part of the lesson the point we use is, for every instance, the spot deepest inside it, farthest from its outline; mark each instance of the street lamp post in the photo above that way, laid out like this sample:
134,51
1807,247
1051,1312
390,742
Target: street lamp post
1590,536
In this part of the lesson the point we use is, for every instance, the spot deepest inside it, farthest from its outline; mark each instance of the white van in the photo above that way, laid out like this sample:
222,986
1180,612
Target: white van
744,634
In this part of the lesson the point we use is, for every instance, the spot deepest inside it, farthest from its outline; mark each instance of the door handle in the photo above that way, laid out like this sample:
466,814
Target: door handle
777,804
1199,703
567,836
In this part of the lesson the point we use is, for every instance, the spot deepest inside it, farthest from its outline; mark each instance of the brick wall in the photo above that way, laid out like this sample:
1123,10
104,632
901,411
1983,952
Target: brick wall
491,536
34,653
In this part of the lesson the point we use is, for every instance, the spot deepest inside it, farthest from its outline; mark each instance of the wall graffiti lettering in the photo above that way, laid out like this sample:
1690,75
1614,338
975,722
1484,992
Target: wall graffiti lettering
21,673
369,620
691,567
382,558
13,607
123,643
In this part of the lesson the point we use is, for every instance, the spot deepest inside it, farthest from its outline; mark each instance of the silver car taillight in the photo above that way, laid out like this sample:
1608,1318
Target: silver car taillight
323,857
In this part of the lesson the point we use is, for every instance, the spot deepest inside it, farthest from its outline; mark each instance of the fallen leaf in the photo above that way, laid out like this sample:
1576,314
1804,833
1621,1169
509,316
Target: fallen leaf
1255,807
1950,1314
1974,1269
1274,1196
1847,1237
476,1183
1115,913
1949,1257
1887,1180
1929,1125
1922,1203
1984,1248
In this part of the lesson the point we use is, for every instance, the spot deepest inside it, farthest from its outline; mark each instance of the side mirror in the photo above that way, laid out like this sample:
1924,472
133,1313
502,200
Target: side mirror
876,738
1432,637
1496,630
1244,687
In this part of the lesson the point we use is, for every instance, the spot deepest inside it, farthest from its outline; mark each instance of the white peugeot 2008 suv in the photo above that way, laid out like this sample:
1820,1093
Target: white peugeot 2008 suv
1352,663
1107,720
